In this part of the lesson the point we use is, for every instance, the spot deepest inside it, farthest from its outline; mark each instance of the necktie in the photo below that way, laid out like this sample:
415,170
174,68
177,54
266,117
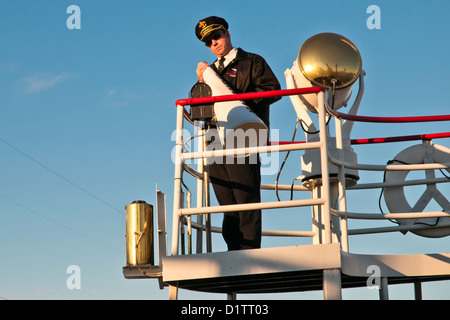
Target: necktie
221,66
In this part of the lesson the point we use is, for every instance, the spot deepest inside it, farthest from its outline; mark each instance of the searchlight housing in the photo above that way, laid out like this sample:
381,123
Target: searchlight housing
331,61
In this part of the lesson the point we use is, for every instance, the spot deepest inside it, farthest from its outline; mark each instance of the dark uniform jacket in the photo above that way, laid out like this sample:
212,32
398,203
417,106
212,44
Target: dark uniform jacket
249,72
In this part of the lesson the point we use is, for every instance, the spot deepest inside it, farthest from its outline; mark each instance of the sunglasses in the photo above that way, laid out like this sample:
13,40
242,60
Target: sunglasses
216,37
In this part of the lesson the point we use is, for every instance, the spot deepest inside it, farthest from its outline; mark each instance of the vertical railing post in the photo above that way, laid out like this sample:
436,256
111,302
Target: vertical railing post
341,182
324,167
173,291
177,179
200,187
384,288
331,277
207,204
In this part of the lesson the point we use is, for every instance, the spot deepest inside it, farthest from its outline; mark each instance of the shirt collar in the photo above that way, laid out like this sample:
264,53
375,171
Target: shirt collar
228,57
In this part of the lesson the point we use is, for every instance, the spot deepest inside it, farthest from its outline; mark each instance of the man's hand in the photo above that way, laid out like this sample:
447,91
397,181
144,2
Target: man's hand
200,68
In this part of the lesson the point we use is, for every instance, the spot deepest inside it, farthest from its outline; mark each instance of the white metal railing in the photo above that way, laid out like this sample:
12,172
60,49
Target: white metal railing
323,230
343,214
203,204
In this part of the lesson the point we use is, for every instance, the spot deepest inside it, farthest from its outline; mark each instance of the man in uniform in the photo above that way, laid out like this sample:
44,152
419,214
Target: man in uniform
237,183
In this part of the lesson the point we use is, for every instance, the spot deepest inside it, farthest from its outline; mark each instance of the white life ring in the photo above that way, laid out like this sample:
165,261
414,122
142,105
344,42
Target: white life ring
395,196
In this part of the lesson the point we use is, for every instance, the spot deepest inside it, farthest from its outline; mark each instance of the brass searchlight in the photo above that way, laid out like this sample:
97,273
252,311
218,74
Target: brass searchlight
328,58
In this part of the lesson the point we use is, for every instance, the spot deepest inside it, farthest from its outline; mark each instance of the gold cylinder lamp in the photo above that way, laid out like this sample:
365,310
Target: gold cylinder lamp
139,233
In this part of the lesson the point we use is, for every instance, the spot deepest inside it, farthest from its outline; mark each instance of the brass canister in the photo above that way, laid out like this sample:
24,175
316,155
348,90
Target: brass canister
139,235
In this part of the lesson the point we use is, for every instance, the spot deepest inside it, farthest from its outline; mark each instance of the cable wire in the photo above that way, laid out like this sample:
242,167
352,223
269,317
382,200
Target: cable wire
285,158
58,223
60,176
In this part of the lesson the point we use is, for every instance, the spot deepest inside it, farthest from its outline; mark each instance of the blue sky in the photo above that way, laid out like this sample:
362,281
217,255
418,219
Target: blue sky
87,117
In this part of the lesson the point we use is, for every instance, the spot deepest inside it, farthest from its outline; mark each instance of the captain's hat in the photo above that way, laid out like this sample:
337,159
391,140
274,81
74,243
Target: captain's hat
207,26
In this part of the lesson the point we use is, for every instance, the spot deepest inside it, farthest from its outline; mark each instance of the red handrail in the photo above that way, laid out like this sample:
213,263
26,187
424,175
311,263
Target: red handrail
387,119
247,96
288,92
427,136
